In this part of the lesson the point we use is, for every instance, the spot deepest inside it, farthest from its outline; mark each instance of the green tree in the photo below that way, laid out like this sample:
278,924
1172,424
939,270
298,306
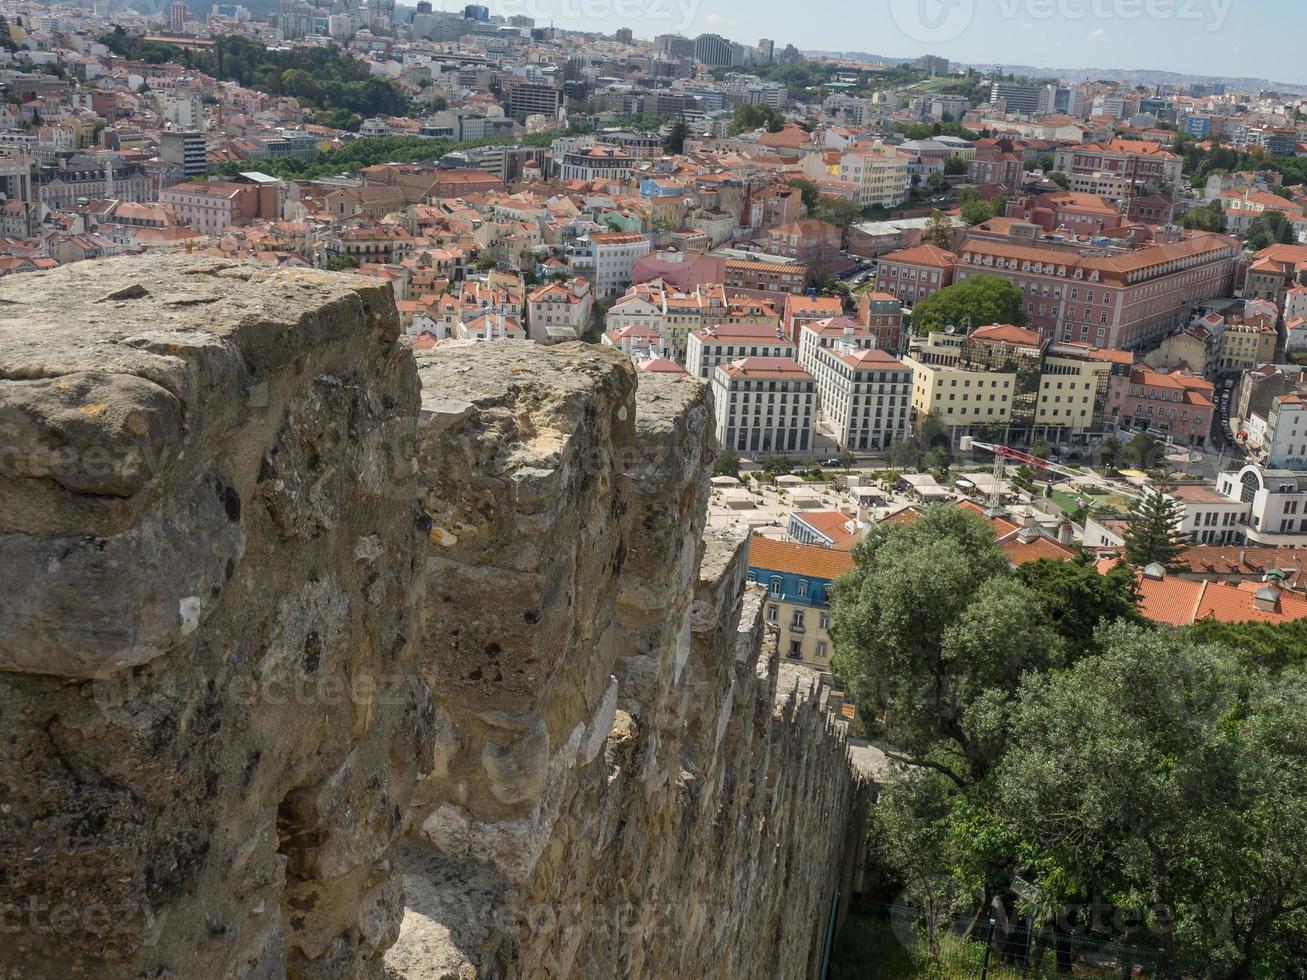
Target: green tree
904,455
1273,646
1109,452
982,299
675,142
749,117
1267,229
1078,600
925,625
955,166
1144,451
1204,218
1154,534
1045,162
1059,178
939,230
808,194
1161,775
838,211
339,263
727,464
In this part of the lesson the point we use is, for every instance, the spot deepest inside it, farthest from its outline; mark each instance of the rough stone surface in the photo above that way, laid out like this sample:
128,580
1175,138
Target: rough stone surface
695,815
315,664
211,719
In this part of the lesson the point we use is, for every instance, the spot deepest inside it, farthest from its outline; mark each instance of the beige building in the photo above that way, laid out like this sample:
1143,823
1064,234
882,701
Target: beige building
880,174
960,397
559,311
1246,345
798,579
1074,384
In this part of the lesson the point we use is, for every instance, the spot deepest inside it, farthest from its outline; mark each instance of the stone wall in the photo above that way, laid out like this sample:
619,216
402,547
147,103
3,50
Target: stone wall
317,665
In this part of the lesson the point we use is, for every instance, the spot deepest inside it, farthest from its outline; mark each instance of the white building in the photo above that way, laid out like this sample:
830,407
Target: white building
639,343
721,343
1285,442
817,334
764,405
865,394
615,254
1208,517
1276,501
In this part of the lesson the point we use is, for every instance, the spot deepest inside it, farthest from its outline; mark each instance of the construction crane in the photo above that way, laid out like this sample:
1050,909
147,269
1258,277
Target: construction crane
1004,453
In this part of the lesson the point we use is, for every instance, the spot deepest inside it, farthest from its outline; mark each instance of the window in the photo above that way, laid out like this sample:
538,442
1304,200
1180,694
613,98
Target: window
773,613
776,586
796,621
821,649
803,589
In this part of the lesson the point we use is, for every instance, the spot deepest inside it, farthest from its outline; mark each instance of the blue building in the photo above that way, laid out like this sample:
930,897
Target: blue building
799,579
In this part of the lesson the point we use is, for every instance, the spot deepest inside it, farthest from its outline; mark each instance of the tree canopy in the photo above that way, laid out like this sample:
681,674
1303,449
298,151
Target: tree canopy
982,299
1057,759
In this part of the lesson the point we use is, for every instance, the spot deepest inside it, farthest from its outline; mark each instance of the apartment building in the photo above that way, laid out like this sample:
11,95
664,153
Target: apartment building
798,579
1123,300
864,394
1284,446
959,397
814,243
1080,388
827,333
882,315
1274,271
775,277
597,163
879,174
672,311
724,342
801,309
1276,502
615,254
1175,404
559,311
1246,343
764,405
912,274
1135,161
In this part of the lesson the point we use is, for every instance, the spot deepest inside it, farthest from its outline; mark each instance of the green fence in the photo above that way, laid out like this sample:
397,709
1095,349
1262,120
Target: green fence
902,944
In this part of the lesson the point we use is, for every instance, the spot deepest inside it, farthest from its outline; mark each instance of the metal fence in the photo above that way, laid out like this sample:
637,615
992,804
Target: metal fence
958,948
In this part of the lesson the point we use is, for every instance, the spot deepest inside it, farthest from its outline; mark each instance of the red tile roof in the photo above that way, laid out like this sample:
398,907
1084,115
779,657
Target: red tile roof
799,559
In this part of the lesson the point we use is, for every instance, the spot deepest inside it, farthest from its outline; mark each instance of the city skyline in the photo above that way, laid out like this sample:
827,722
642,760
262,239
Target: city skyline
1057,34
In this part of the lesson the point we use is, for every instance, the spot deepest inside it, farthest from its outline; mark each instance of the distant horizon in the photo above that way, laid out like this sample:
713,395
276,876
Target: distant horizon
1189,37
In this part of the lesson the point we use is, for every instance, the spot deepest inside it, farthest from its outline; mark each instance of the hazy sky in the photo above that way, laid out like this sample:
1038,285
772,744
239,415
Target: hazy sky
1254,38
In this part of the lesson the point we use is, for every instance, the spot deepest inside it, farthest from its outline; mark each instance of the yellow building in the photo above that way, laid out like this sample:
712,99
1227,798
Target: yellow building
961,397
1247,345
1074,383
798,579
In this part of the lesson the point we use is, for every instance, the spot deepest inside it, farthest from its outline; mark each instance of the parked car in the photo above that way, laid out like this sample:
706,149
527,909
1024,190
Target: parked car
833,462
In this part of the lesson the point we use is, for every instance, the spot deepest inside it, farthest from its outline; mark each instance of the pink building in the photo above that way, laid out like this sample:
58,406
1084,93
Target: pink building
1177,404
915,273
678,269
